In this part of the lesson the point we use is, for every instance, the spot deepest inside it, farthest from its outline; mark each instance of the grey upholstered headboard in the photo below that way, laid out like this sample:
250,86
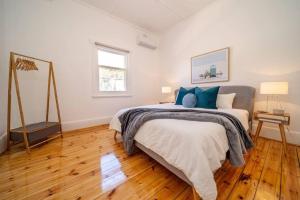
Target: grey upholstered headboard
244,98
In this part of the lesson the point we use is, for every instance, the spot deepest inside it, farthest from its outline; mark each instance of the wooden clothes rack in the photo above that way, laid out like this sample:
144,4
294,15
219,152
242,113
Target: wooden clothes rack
32,134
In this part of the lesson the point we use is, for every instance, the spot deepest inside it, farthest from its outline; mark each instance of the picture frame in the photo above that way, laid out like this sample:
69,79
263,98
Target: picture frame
210,67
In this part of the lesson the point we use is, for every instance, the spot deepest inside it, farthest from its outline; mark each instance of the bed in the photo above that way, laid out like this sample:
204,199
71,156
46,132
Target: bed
192,150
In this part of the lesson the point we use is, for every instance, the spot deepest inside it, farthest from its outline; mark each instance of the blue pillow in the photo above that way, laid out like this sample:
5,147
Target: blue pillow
181,93
207,98
189,101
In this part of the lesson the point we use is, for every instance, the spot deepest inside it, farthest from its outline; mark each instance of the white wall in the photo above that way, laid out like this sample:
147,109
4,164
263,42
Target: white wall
263,37
2,80
60,31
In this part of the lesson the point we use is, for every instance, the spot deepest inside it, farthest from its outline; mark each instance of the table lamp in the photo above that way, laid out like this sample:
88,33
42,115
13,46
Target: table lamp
166,90
274,89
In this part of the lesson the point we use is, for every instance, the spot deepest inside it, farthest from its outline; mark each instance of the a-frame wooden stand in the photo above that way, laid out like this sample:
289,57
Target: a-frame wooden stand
42,131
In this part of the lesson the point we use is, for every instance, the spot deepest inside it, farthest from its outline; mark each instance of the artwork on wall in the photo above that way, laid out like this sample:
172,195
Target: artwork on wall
211,67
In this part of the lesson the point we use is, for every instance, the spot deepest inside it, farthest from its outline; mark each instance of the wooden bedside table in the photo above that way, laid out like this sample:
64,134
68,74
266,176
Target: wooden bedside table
281,120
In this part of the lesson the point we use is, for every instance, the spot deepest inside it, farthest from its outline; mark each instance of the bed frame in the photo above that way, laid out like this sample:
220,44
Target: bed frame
244,99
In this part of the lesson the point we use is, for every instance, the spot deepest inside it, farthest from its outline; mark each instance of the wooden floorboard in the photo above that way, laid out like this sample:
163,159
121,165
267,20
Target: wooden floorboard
246,186
290,187
89,164
269,183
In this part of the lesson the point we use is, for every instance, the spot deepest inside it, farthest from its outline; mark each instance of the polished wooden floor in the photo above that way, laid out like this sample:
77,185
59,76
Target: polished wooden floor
89,164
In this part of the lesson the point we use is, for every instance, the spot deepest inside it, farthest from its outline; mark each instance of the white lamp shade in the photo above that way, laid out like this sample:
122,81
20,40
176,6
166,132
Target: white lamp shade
166,90
274,88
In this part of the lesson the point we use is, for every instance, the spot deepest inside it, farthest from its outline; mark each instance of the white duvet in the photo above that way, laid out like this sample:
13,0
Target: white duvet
195,148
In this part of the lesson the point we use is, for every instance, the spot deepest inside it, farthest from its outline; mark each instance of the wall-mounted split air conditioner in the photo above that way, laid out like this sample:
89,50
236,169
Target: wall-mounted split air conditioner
146,41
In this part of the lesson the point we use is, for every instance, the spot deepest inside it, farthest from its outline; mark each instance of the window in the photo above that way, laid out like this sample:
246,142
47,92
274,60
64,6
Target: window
112,70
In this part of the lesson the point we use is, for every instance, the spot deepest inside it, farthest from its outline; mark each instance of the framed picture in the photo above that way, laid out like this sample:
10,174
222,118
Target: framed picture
211,67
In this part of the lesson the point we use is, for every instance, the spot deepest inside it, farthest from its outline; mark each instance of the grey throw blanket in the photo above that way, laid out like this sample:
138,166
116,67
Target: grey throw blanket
237,136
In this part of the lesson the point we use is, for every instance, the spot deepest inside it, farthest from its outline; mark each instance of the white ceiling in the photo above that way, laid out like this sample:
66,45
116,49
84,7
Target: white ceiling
153,15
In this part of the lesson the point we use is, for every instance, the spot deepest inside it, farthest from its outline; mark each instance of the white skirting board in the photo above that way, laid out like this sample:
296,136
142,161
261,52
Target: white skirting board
293,137
272,132
72,125
3,142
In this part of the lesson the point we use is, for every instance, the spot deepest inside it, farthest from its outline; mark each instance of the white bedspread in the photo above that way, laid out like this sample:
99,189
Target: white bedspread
195,148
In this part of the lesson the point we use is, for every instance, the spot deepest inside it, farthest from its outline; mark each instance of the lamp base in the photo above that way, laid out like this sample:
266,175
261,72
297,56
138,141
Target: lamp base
278,111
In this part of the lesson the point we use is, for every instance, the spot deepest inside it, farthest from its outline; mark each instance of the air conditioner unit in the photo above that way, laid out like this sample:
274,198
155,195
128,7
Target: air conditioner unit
145,41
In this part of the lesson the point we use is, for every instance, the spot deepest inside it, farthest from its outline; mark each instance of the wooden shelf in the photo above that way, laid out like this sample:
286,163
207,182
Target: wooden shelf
270,117
272,114
36,132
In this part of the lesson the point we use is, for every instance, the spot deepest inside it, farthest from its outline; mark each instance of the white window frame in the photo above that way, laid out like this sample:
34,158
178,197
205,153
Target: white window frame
96,81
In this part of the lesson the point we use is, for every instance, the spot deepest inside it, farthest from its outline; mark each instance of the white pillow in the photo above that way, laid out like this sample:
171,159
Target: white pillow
225,100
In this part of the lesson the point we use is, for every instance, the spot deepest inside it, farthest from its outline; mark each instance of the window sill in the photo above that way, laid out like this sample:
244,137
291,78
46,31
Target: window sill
110,95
